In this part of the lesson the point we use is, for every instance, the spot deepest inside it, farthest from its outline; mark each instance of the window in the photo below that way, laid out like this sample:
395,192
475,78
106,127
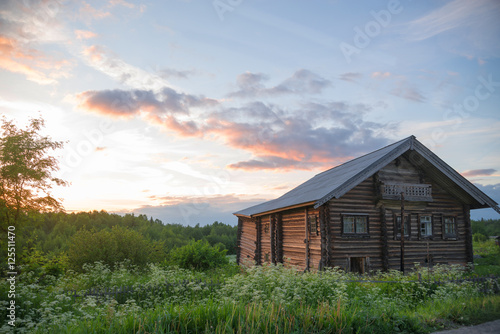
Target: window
397,227
313,225
425,226
266,228
449,227
355,225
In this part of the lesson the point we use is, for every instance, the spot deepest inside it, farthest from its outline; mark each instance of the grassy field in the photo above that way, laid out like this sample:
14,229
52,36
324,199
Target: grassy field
266,299
489,261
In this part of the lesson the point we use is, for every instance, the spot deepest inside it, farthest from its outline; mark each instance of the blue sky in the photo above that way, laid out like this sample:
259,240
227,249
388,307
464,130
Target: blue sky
191,110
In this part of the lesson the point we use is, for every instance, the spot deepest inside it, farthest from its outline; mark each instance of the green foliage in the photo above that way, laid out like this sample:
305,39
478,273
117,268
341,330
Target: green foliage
488,262
51,234
258,300
478,237
487,248
41,265
489,227
111,247
199,255
26,171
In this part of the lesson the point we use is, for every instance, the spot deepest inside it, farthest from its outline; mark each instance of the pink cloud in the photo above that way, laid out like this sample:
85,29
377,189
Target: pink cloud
314,136
479,172
31,63
88,13
84,34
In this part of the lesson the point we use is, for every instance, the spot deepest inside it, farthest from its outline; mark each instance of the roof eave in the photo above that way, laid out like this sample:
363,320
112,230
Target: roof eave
276,210
461,181
240,215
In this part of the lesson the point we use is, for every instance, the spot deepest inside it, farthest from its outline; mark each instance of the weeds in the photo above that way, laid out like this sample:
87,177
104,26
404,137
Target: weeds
272,299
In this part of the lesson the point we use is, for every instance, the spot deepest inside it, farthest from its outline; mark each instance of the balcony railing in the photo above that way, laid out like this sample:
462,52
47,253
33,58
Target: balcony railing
412,192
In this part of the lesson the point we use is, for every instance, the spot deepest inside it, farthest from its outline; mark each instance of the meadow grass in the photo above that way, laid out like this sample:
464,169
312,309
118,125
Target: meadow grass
262,299
339,317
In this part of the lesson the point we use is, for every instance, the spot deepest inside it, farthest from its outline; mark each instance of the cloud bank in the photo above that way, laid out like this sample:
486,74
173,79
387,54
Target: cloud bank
313,135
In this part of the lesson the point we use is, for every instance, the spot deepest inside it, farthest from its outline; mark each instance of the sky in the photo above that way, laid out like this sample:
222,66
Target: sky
188,111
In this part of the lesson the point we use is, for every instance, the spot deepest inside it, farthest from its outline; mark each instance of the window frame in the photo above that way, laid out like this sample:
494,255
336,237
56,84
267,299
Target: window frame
355,234
313,224
450,236
427,236
397,227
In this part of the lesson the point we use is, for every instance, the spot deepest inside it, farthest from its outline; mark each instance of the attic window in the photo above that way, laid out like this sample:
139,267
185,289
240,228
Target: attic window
412,192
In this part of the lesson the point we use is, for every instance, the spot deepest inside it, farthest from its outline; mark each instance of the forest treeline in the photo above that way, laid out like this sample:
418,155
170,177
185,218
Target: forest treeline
62,241
486,227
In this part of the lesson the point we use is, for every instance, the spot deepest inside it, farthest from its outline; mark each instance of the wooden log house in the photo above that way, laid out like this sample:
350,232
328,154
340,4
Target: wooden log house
350,216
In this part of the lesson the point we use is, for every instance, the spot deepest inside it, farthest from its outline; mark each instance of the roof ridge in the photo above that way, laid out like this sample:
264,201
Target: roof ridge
412,138
338,180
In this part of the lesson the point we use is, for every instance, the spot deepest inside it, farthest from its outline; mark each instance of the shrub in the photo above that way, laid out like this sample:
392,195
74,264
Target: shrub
111,247
478,237
199,255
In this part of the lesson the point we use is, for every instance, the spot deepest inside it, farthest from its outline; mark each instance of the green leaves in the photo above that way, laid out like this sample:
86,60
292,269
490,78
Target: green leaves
199,255
26,170
111,247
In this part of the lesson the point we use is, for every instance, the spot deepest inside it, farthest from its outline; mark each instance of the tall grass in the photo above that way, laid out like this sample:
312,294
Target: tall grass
263,299
336,317
489,258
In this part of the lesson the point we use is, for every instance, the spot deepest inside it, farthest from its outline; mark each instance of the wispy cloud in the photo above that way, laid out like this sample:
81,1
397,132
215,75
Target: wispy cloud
105,61
317,135
479,172
168,73
408,91
123,3
25,27
351,76
381,75
85,34
129,103
314,135
475,21
87,13
33,64
453,15
301,82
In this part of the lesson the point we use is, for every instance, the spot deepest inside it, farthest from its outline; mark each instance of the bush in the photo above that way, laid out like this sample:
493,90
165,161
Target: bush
478,237
111,247
199,255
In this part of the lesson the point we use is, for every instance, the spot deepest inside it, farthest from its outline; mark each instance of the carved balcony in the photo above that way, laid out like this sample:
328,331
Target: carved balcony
412,192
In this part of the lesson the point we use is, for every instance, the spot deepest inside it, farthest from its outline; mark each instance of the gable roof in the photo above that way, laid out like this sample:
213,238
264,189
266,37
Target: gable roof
337,181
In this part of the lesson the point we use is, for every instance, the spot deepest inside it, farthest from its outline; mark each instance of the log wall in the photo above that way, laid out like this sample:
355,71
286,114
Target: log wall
293,237
359,200
248,241
287,237
418,249
266,239
314,240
